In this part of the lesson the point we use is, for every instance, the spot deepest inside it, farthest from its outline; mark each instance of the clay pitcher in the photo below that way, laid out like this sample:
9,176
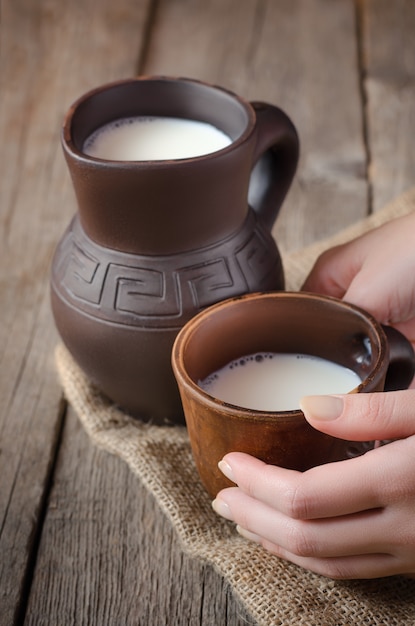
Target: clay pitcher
155,242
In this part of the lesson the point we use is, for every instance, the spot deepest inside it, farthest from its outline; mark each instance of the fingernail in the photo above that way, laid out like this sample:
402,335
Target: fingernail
222,508
226,469
322,407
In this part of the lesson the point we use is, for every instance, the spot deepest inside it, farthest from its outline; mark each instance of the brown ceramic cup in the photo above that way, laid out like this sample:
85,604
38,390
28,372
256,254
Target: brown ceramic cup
280,322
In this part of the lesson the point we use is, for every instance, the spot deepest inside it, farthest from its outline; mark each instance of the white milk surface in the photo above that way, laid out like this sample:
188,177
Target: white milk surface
154,139
277,382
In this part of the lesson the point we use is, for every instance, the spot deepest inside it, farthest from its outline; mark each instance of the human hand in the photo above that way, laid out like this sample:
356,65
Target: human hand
376,272
350,519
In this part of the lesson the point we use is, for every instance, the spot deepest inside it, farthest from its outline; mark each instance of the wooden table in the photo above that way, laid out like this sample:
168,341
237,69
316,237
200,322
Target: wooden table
81,541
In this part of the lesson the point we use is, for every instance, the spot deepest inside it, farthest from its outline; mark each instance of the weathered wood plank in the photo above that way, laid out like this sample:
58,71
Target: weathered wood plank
300,55
106,559
38,83
107,555
389,70
51,52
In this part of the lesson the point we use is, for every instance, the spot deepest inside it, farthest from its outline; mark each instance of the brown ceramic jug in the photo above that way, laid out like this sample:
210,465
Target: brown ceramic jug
155,242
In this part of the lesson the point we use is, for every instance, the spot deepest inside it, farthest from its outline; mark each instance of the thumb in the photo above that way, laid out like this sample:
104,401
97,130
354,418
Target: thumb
363,416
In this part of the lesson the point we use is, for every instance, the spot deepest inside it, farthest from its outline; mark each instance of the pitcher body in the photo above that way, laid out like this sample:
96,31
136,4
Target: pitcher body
155,242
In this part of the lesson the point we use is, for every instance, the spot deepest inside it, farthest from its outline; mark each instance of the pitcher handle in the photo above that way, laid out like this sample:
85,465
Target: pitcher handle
275,161
401,360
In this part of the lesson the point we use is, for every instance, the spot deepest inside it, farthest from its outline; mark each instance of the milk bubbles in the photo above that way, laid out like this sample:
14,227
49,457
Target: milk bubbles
268,381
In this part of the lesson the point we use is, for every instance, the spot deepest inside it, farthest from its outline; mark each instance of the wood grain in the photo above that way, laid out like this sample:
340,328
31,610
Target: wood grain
36,204
108,556
389,82
51,52
301,56
81,541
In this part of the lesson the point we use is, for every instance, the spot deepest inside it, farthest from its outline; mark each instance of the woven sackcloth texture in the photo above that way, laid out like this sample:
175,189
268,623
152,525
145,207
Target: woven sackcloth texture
276,593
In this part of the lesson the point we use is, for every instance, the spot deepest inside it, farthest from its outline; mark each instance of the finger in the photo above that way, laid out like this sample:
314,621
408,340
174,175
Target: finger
315,493
362,533
363,416
389,300
351,271
341,568
333,272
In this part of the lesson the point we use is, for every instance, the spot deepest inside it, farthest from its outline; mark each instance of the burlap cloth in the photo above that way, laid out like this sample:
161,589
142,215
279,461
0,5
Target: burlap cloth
274,592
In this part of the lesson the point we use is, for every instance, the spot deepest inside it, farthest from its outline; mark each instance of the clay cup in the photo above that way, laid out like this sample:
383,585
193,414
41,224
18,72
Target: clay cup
280,322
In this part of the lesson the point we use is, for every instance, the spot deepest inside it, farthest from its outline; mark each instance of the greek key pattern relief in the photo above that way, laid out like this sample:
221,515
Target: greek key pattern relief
160,291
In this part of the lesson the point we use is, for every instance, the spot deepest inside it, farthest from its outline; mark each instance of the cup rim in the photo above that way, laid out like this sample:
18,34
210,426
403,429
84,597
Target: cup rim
238,412
70,145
